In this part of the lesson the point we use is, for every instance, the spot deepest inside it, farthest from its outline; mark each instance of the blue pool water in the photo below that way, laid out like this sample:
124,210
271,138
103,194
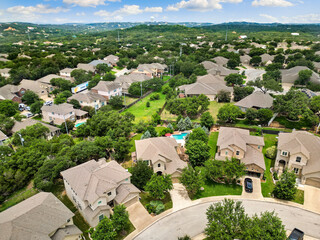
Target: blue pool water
179,136
78,124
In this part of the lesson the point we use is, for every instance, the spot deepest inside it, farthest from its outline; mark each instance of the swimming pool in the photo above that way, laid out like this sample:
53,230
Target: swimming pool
180,136
78,124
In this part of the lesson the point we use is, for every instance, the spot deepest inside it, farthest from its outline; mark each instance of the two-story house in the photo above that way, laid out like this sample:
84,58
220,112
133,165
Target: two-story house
95,187
66,72
151,70
162,154
41,216
108,89
299,151
58,114
112,60
90,99
238,143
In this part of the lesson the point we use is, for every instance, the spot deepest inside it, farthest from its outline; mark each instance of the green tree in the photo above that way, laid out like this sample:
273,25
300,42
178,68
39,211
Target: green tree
75,103
30,97
198,152
35,108
103,68
234,79
104,230
141,174
62,97
156,118
264,115
206,120
192,179
120,218
30,133
241,92
315,104
224,96
255,60
159,186
228,113
198,134
232,63
266,85
116,102
251,114
8,108
286,187
304,76
6,123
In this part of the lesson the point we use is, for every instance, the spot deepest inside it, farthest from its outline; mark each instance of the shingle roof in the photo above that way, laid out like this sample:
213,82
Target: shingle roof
46,79
124,190
5,70
63,108
266,57
29,122
92,179
96,62
34,218
66,70
216,69
63,233
112,59
31,85
8,92
160,148
305,143
86,67
257,99
221,60
107,86
88,97
292,74
3,136
245,58
254,156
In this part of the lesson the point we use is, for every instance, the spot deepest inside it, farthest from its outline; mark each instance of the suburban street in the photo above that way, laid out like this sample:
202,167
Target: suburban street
192,220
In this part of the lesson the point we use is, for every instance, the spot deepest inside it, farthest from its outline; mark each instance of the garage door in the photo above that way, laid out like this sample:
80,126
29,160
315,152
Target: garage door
132,201
315,182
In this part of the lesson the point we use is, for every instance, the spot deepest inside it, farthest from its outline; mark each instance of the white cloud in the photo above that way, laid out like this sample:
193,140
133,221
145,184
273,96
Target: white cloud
129,10
153,9
40,8
269,17
88,3
272,3
200,5
79,14
307,18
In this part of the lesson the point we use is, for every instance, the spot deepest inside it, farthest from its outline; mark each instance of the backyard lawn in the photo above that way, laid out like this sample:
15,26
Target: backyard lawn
213,138
218,189
214,109
144,113
145,199
128,100
267,187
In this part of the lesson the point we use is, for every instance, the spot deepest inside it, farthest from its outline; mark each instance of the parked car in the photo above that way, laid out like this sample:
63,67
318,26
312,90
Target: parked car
27,108
248,186
296,234
48,103
21,107
28,114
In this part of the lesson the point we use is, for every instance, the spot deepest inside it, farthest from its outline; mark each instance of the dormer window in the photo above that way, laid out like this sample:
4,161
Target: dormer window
237,153
298,159
159,165
284,153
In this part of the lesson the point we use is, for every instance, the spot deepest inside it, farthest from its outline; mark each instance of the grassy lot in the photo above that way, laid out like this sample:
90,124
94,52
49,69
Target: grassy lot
133,146
218,189
144,113
145,199
166,115
291,124
214,108
267,187
165,78
128,100
299,197
213,138
18,197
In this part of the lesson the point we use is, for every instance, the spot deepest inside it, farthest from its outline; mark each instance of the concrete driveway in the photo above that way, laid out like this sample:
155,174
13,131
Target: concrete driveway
256,194
179,196
312,198
139,216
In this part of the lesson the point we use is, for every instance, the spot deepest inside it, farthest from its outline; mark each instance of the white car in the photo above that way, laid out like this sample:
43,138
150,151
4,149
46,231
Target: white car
28,114
48,103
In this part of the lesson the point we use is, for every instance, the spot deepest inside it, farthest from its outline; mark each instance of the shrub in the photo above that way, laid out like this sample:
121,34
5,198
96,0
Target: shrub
156,207
271,152
148,104
155,97
275,176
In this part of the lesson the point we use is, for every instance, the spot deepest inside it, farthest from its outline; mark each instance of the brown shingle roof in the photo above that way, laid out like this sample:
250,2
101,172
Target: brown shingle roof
257,99
106,86
29,122
88,97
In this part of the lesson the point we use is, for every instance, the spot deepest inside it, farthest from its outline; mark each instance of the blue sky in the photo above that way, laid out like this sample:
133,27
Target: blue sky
214,11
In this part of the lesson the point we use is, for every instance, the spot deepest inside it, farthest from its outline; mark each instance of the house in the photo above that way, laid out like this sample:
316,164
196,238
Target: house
289,76
112,60
255,100
151,70
97,62
221,60
5,72
41,216
107,89
207,85
216,69
58,114
162,153
3,138
317,66
11,92
53,131
95,187
3,59
45,82
86,67
243,37
266,59
245,59
66,72
34,86
126,80
299,151
90,99
238,143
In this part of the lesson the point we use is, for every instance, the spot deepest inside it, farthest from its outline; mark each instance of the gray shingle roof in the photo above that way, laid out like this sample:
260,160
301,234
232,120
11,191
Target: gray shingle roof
257,99
292,74
46,79
88,97
106,86
221,60
124,190
62,109
86,67
29,122
8,92
34,218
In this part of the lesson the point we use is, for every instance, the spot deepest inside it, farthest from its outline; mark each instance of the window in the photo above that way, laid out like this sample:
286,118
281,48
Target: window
70,112
99,202
296,170
52,113
109,193
80,101
100,217
258,147
237,153
127,179
284,153
226,152
298,159
159,165
115,90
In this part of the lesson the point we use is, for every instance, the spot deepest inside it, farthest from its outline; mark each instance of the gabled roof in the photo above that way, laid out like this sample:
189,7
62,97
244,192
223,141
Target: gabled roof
86,67
256,99
254,156
292,74
216,69
160,148
67,70
62,109
107,86
88,97
8,92
47,79
124,190
245,58
31,85
34,218
112,59
96,62
305,143
133,77
221,60
29,122
266,57
91,180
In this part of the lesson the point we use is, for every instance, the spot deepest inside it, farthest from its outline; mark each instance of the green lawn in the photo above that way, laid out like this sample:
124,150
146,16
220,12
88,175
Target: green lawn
299,197
144,113
131,229
18,197
133,146
267,187
128,100
214,108
145,199
218,189
165,78
213,138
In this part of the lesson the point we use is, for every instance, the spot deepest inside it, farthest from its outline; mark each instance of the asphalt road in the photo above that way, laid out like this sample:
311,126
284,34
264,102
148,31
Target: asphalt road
192,221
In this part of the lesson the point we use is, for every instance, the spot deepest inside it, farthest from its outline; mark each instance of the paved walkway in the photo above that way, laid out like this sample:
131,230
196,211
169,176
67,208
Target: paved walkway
256,194
139,216
312,198
180,197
